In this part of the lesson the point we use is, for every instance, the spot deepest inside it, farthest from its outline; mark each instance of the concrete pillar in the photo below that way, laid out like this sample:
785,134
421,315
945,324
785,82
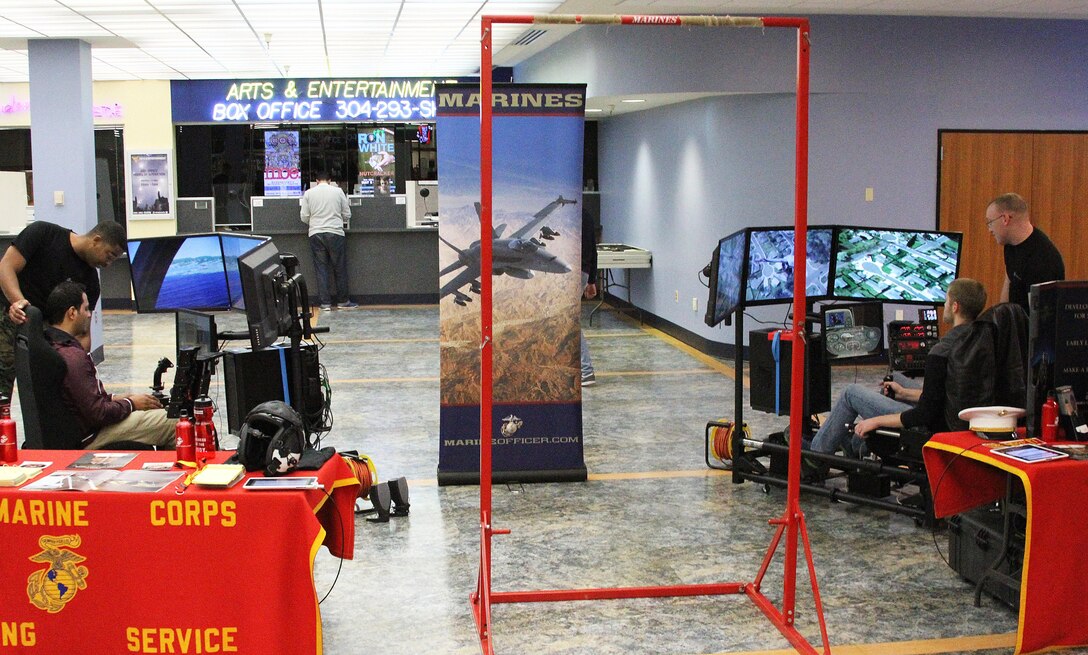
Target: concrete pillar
62,133
62,141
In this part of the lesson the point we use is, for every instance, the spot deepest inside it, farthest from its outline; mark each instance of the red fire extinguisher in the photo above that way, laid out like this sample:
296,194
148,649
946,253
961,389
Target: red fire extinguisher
1049,416
9,438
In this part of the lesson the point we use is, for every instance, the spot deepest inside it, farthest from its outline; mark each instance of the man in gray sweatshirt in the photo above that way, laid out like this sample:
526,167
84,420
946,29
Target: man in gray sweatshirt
325,209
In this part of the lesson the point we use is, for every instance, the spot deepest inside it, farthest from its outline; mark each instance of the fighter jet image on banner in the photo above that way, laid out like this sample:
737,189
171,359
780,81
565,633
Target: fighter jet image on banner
517,255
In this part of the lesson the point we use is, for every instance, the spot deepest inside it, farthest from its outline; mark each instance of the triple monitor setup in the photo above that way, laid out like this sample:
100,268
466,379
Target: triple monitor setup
850,273
194,275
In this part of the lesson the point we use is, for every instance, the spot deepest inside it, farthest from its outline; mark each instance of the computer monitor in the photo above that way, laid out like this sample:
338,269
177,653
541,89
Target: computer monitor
192,271
770,265
235,245
196,329
267,311
900,266
178,272
726,282
854,330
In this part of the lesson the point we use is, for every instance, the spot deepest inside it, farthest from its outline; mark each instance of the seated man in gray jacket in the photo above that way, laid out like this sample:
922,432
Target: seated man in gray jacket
925,407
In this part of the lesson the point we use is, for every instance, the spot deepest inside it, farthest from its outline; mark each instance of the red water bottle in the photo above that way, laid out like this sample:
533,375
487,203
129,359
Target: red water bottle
207,440
9,439
185,439
1049,416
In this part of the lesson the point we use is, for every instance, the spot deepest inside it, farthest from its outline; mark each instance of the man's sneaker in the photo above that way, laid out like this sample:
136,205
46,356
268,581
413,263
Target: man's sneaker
589,380
327,308
349,305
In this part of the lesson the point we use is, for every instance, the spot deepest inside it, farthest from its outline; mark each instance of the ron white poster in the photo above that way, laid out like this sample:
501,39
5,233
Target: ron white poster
282,176
149,185
377,162
536,242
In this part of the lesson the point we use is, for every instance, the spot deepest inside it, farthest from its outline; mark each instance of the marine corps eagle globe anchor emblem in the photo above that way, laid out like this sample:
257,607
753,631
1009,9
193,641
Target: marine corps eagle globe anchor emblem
510,425
51,588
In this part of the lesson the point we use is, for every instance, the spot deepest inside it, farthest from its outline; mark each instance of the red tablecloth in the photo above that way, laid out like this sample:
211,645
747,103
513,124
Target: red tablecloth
201,571
963,474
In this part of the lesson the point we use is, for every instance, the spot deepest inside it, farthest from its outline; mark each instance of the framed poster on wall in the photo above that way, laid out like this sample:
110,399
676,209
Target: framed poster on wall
150,194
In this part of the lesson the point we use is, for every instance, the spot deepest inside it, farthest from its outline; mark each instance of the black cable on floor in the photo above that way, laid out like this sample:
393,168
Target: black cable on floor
340,565
937,488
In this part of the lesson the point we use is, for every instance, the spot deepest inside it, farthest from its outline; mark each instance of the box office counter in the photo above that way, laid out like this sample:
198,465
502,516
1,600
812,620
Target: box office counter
388,262
210,570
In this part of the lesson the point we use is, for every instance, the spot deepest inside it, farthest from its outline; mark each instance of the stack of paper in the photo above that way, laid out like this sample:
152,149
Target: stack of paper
219,475
11,476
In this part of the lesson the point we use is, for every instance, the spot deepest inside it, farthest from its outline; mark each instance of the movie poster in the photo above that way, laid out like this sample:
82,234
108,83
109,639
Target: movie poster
149,185
282,176
536,223
377,163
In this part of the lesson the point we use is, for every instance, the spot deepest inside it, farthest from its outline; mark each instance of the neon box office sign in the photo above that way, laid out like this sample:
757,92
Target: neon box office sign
302,100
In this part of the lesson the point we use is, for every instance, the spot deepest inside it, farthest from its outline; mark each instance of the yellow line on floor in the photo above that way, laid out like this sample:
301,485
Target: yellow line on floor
610,477
657,475
712,362
915,647
628,374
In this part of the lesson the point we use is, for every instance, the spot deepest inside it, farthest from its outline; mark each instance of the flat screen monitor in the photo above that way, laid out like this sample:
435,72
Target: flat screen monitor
178,272
900,266
854,330
196,329
235,245
770,265
261,273
726,283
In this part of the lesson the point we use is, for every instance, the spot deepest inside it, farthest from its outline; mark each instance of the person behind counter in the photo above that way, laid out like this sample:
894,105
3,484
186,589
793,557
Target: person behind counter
1030,256
103,418
325,209
42,256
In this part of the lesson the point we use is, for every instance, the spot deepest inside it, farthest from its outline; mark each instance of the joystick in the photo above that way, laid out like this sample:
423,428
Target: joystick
887,391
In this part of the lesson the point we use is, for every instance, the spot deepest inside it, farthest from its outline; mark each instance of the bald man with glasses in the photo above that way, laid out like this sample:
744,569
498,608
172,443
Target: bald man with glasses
1030,256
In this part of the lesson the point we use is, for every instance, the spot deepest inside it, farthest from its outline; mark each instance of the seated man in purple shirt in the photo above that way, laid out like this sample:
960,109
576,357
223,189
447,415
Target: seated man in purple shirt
103,418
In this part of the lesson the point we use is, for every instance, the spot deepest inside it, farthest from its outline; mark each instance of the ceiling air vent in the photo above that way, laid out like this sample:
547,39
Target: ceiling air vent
529,37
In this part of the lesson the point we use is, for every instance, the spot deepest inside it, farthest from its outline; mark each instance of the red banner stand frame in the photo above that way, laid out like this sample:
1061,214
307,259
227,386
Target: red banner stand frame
792,522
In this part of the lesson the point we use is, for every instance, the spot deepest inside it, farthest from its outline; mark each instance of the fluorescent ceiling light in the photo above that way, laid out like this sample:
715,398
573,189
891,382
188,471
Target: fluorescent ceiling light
633,100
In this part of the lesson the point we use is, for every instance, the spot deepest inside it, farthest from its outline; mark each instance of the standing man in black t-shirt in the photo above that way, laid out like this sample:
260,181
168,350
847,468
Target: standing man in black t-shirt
1030,256
42,256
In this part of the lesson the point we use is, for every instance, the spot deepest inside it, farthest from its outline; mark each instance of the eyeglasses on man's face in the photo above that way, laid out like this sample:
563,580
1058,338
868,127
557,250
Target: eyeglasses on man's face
995,218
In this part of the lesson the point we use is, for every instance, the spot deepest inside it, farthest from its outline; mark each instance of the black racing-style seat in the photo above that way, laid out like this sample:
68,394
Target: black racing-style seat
39,372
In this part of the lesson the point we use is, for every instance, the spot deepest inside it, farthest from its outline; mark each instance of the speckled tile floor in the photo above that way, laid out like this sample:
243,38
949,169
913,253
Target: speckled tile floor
882,578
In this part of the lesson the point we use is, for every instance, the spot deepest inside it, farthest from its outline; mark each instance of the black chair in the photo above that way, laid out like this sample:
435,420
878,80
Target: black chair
39,372
48,424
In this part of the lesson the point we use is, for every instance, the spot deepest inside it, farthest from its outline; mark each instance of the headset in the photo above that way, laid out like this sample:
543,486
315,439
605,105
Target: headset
271,439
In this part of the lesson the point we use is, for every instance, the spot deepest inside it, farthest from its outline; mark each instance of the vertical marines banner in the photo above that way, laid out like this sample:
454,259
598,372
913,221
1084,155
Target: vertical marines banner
536,242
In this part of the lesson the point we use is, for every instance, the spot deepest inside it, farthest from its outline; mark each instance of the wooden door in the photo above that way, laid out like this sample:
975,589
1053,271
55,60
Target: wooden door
975,167
1060,205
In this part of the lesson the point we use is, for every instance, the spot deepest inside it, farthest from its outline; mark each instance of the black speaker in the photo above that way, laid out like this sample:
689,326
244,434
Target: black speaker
254,377
762,373
398,493
1057,346
382,500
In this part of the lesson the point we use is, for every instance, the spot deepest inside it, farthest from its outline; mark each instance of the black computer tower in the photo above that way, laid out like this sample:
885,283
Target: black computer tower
762,374
1057,343
253,377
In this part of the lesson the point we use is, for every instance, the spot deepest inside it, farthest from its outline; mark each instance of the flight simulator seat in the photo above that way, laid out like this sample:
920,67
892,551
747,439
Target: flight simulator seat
39,372
997,343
